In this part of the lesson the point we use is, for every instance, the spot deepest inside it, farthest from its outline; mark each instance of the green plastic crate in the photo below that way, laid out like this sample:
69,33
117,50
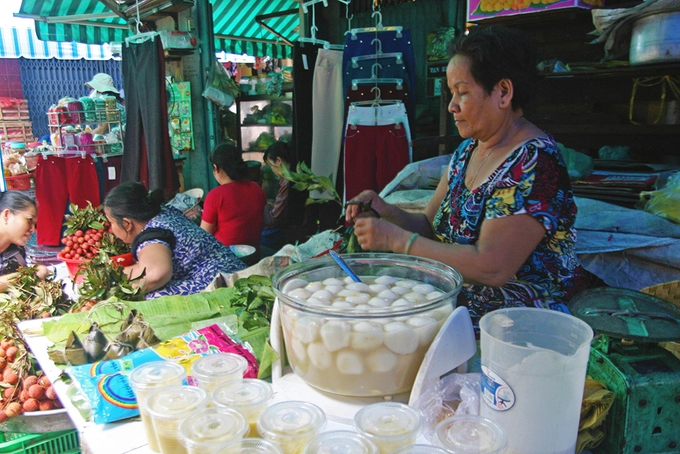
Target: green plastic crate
63,442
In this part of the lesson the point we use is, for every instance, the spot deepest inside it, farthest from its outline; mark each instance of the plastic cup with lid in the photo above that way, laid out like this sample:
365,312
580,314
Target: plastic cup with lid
470,434
291,424
150,377
168,407
419,449
212,370
249,446
390,425
206,430
340,442
250,396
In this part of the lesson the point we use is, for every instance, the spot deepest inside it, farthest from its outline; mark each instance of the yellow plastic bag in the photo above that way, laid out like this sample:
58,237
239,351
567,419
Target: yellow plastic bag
665,202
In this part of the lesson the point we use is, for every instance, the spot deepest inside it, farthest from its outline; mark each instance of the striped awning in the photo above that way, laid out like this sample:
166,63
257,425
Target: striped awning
258,28
18,42
82,21
253,27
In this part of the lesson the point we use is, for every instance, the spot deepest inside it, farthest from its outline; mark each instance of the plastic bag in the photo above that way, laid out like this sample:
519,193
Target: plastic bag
665,202
579,165
455,394
220,88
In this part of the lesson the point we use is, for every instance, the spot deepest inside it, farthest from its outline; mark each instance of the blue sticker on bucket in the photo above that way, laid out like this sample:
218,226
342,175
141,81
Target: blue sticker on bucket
495,391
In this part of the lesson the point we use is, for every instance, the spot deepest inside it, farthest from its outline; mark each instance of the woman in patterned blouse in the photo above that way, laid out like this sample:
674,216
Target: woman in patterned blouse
176,256
18,218
503,213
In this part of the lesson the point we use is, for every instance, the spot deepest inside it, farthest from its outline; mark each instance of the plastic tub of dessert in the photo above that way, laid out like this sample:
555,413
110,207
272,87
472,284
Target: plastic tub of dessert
363,338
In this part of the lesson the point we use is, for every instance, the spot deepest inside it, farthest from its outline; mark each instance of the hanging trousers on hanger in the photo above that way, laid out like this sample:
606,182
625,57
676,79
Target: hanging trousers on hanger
147,157
58,181
108,170
387,91
389,42
304,62
328,114
376,147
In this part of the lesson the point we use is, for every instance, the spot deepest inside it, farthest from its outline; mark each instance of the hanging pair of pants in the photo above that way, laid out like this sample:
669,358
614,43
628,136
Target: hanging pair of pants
373,156
304,64
387,92
388,69
384,115
59,181
147,157
390,41
328,114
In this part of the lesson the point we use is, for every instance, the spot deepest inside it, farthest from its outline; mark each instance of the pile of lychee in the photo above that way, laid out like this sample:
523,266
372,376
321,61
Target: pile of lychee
22,392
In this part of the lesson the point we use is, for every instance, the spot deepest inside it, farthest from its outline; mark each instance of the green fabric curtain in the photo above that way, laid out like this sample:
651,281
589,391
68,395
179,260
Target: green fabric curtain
235,19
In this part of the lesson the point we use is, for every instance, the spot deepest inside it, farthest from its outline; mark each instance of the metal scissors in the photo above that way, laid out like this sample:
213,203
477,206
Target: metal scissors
364,207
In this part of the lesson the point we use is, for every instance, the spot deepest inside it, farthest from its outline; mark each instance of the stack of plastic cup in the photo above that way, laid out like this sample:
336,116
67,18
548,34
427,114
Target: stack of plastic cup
249,446
205,431
291,425
390,425
212,370
168,407
470,434
150,377
250,396
340,441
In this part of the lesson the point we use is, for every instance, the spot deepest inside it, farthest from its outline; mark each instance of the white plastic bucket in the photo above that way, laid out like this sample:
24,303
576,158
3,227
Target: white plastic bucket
533,372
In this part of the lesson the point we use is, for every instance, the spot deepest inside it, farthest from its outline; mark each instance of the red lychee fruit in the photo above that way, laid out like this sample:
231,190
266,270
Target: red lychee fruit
13,409
9,393
31,405
30,381
46,405
36,391
10,376
50,393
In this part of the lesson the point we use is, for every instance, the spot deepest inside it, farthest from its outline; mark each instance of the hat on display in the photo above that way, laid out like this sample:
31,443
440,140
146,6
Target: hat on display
102,82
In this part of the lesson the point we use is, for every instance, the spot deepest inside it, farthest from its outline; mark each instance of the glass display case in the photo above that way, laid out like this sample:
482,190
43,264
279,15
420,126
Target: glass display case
262,121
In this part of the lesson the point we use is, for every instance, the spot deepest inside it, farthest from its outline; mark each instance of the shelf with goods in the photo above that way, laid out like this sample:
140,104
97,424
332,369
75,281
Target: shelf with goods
15,123
263,120
595,103
69,133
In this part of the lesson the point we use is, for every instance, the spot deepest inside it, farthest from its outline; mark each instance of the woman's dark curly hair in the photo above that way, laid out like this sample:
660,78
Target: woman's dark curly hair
133,201
497,53
227,157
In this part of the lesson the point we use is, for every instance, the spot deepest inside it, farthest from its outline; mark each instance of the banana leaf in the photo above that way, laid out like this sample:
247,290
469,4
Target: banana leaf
168,316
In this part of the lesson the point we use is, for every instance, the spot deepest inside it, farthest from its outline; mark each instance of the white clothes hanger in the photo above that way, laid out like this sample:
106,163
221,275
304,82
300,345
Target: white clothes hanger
378,27
375,80
313,29
378,54
139,37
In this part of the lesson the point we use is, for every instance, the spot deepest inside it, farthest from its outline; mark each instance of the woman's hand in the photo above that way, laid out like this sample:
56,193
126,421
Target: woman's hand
353,211
380,235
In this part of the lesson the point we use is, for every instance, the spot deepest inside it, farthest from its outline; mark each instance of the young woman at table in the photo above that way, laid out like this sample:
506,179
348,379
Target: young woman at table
18,217
503,213
278,155
233,211
177,257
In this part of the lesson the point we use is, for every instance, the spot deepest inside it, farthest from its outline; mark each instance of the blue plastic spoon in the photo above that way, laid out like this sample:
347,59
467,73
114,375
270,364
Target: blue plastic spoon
345,267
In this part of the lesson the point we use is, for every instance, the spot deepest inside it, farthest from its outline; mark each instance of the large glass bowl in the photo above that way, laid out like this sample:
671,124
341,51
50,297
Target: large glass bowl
360,351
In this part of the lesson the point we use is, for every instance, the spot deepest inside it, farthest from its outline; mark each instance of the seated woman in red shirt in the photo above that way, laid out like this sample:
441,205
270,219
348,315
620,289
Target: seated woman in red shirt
233,211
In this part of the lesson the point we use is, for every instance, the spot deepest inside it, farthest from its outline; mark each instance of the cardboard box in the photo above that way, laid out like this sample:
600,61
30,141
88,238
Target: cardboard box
487,9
